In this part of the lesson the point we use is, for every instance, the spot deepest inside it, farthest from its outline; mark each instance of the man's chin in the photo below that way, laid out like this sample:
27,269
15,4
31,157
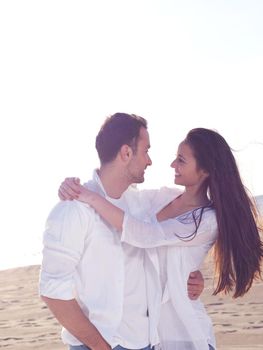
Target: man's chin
140,180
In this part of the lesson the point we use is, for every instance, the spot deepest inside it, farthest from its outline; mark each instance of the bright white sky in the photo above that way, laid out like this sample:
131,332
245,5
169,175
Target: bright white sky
65,65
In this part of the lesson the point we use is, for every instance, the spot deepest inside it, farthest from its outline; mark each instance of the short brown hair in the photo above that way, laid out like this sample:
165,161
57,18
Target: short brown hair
119,129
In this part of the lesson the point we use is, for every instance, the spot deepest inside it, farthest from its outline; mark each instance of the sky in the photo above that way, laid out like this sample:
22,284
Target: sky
66,65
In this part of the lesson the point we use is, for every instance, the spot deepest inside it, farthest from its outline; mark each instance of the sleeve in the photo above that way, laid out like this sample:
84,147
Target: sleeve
154,199
142,198
172,232
67,229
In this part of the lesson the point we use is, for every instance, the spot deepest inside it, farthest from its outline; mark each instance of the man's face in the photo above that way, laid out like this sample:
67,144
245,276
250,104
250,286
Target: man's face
140,158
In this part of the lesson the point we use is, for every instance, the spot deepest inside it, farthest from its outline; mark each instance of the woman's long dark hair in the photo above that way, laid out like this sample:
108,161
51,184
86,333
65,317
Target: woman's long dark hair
238,249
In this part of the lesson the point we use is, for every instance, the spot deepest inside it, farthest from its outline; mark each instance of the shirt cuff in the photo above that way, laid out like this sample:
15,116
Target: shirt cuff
56,288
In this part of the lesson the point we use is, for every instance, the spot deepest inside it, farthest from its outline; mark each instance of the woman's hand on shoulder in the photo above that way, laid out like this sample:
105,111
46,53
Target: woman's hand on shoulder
69,189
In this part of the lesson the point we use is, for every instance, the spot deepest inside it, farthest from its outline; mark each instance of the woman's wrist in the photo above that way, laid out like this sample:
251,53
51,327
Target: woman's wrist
91,198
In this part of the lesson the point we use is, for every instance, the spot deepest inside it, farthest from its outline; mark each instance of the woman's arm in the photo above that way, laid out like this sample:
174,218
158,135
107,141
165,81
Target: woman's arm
176,231
72,189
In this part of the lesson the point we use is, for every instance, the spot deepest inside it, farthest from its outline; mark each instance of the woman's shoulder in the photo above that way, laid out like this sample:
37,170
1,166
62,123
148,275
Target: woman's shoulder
210,212
209,218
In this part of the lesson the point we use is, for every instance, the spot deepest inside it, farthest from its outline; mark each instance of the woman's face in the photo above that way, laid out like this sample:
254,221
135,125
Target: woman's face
187,172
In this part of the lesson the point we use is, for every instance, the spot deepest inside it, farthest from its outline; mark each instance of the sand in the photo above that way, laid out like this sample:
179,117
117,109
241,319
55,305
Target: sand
238,323
26,323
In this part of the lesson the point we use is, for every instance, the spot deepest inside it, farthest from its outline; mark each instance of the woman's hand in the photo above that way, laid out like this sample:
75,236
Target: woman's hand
72,189
69,189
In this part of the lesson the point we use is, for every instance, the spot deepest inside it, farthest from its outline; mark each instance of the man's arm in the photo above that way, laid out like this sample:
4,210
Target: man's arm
69,315
195,285
64,238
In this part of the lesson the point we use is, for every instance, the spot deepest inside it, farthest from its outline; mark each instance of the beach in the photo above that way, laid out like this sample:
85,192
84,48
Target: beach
238,323
26,323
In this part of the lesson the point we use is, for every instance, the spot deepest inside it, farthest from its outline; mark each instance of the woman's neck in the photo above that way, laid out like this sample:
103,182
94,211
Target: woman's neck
189,200
194,197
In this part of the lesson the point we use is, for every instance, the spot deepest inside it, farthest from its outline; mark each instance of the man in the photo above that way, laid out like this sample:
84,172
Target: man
94,284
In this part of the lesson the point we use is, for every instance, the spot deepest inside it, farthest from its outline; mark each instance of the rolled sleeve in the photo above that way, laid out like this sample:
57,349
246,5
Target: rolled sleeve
67,229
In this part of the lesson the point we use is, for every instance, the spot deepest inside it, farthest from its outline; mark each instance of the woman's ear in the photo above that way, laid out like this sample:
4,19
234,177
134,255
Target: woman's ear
205,174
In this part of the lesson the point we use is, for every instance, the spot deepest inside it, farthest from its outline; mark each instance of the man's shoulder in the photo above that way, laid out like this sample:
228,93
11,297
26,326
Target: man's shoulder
69,218
71,209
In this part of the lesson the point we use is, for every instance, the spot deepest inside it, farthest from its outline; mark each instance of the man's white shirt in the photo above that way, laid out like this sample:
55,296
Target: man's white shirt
84,259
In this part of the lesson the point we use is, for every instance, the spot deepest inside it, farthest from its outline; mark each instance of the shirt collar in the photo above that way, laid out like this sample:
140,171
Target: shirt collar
101,189
98,182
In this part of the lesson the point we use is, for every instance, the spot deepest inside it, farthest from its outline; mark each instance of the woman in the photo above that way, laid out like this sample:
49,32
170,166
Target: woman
214,208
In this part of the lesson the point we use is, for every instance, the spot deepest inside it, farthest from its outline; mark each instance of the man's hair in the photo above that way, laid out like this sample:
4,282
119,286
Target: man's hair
119,129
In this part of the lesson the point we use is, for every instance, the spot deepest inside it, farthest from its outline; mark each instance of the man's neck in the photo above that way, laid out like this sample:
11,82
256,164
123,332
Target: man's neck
113,180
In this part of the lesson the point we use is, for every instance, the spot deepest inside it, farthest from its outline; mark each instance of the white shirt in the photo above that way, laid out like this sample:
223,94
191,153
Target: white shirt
133,331
182,324
83,258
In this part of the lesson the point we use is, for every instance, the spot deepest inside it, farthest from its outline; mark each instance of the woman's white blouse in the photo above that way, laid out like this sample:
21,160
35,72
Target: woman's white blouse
172,232
183,324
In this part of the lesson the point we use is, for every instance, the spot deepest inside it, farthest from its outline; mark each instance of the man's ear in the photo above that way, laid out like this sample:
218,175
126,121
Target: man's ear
126,153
